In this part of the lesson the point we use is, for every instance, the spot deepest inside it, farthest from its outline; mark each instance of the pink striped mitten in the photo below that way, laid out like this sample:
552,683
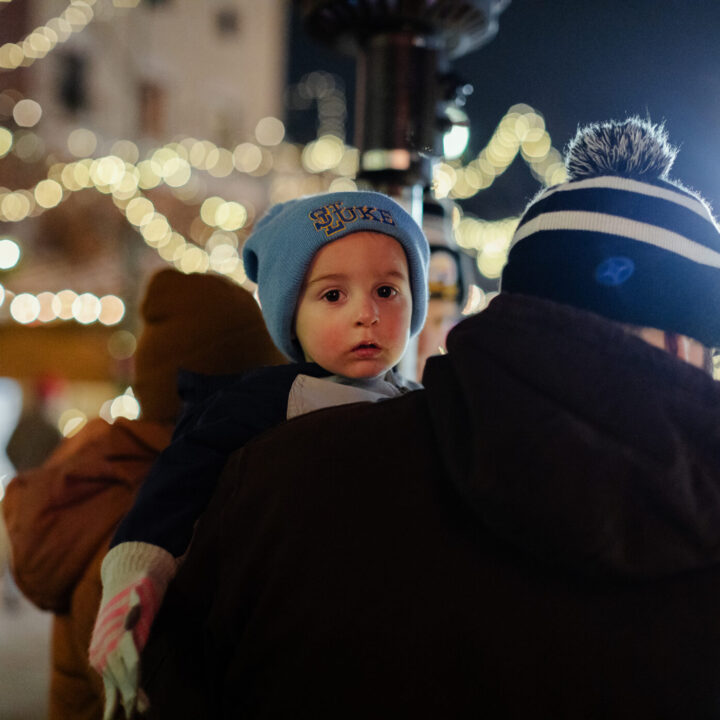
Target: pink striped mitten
135,577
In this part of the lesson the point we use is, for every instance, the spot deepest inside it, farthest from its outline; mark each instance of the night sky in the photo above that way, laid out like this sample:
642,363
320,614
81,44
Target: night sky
577,61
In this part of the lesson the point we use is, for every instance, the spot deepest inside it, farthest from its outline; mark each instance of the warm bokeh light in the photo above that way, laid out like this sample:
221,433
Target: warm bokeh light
489,240
444,177
63,304
535,149
122,345
342,184
27,113
178,172
219,162
125,406
247,157
149,178
48,193
270,131
6,141
224,259
492,260
107,171
71,422
112,310
39,42
139,211
157,231
29,146
9,253
476,301
231,216
126,187
173,248
25,308
192,259
201,152
209,209
323,154
86,308
127,150
16,206
79,14
46,314
67,178
11,56
456,139
82,142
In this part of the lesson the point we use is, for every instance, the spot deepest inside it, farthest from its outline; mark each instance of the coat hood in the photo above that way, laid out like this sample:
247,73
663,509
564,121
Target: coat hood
577,443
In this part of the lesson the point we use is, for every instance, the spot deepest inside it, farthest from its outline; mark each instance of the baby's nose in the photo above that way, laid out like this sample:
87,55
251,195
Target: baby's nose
367,312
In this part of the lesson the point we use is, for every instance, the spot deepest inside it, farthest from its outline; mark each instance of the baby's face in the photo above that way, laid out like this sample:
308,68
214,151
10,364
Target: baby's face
353,315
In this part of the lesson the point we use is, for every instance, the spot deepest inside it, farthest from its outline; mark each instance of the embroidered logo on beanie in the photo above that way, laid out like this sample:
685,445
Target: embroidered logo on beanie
335,217
614,271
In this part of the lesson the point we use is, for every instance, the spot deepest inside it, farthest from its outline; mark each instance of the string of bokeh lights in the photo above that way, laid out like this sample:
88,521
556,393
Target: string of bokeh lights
41,41
171,165
521,131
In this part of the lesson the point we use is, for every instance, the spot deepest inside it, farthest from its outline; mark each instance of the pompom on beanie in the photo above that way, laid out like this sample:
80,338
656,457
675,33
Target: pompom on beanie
201,323
620,239
279,251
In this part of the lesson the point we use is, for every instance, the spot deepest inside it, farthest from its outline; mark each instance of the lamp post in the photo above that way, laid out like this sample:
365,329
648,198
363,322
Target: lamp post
403,53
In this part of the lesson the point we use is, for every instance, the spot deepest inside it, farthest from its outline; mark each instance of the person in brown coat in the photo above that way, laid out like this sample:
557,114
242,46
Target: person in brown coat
60,516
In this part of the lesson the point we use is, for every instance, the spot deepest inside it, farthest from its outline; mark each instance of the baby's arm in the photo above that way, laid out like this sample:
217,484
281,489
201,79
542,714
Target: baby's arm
157,531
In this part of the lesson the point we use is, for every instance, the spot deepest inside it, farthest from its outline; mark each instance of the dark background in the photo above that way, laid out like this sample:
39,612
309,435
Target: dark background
577,61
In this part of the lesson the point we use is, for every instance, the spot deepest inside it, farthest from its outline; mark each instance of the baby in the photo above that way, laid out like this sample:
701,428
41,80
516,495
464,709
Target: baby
342,282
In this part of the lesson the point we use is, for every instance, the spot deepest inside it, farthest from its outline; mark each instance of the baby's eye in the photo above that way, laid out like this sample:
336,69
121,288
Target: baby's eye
386,291
332,296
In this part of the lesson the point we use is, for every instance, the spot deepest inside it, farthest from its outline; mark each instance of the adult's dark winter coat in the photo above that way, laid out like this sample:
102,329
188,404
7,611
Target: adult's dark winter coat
534,535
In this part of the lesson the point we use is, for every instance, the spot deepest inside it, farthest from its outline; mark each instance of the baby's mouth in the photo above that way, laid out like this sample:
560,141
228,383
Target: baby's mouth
366,347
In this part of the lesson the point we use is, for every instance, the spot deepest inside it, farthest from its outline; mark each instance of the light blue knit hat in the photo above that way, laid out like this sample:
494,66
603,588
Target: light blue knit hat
278,253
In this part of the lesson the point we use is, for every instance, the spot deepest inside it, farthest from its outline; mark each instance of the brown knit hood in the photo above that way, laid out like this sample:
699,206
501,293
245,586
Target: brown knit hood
201,323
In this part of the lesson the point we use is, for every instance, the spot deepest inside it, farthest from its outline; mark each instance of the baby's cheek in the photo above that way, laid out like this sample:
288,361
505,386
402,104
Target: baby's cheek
400,323
396,335
329,336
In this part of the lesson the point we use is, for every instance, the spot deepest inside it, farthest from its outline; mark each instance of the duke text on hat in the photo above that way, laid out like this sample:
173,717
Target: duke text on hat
335,217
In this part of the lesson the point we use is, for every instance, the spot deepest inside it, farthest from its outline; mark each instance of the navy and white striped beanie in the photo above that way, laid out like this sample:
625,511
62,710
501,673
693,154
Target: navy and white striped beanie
279,251
620,239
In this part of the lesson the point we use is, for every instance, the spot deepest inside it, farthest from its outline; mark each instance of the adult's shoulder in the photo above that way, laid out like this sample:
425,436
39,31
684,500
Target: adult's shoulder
196,387
336,435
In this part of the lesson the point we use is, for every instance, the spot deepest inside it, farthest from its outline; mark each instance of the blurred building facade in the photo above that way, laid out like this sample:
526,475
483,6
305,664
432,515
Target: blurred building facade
157,70
90,93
